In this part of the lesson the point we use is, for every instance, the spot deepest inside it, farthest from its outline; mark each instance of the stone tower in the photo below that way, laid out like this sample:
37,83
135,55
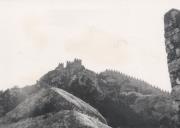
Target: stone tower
60,66
172,42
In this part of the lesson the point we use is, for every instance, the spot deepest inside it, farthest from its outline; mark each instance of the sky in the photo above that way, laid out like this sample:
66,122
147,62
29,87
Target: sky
124,35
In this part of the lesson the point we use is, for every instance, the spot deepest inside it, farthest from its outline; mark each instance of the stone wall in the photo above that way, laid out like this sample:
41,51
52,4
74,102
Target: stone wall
172,42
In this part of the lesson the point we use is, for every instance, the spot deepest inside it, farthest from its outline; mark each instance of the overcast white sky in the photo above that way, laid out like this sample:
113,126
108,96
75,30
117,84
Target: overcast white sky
126,35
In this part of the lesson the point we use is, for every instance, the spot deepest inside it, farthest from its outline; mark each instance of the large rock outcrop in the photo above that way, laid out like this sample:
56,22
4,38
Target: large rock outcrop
53,104
172,41
62,119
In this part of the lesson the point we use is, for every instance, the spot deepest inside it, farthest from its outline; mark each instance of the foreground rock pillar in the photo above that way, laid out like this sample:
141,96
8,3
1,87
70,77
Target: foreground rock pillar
172,42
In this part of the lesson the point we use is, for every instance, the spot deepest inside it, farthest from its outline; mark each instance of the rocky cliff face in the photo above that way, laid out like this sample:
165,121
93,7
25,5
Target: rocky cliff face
53,107
172,42
62,119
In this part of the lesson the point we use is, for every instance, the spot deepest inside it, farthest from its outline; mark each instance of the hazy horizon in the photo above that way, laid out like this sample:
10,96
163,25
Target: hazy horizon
124,35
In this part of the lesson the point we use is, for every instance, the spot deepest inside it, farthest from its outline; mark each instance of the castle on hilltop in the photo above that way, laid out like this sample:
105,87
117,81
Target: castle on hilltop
60,66
77,63
76,66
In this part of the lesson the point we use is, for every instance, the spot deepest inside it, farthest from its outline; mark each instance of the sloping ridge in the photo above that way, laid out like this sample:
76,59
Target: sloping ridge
136,81
49,103
62,119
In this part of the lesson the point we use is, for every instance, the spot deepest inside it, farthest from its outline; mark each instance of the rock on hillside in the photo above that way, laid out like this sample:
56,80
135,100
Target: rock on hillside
62,119
51,100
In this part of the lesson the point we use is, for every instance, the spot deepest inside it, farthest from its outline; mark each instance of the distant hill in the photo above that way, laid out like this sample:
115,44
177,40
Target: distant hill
114,94
63,76
121,100
72,90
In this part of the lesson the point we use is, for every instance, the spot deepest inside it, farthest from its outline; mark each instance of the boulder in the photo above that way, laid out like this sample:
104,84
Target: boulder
50,100
62,119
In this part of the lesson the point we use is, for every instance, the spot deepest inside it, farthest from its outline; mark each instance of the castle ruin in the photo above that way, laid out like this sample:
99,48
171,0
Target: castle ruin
77,63
60,66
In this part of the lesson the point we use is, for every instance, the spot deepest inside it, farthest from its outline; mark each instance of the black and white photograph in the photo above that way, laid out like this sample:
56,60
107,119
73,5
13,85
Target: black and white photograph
89,64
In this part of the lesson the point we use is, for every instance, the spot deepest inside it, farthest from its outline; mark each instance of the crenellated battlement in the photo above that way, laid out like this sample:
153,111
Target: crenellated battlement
76,62
60,66
74,65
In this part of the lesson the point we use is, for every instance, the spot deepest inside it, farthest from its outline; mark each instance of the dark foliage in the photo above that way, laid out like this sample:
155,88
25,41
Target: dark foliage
10,98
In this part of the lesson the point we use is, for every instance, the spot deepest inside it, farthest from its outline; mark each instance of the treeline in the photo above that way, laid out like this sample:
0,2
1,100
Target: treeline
10,98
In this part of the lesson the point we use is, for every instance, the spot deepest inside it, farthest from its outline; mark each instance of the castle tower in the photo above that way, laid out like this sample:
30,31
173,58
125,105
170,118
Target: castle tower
172,42
60,66
74,66
77,62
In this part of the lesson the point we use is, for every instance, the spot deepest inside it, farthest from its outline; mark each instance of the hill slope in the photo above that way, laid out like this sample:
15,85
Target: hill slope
115,95
53,107
120,100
